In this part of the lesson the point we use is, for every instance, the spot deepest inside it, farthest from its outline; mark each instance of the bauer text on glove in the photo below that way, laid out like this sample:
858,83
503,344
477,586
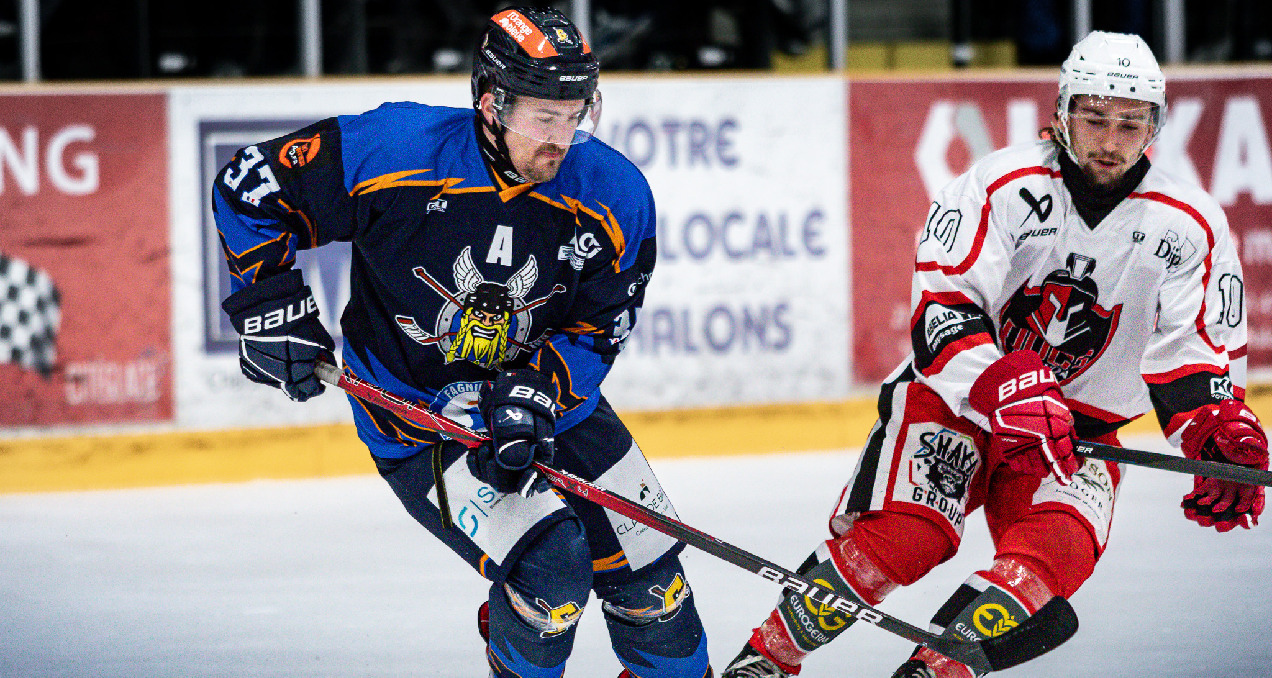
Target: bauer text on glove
280,335
518,407
1030,422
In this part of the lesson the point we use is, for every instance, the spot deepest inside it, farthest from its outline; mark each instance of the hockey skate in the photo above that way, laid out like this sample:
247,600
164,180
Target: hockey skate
751,664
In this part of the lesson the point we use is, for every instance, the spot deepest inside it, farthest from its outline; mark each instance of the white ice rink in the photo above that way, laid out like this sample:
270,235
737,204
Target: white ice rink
331,578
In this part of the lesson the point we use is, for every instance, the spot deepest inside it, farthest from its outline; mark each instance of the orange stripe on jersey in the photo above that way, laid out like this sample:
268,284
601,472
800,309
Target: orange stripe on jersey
982,228
394,180
611,563
309,224
1210,250
531,39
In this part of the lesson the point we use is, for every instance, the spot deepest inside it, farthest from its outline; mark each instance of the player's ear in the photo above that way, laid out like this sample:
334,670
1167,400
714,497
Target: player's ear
486,104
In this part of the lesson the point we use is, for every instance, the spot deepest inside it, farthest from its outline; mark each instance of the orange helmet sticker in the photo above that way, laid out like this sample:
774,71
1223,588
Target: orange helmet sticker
299,152
531,39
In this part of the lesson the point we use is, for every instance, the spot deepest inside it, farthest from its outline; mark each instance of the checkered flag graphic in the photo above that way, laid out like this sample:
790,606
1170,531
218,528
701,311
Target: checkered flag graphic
30,314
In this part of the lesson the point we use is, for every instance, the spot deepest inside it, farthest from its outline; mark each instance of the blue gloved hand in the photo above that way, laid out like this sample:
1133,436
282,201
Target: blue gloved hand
280,336
518,407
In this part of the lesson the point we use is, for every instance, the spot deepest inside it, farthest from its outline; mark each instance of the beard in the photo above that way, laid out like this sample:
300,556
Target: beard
1102,174
544,163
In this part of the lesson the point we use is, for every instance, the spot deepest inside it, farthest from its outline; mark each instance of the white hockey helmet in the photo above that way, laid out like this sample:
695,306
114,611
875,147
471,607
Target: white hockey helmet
1111,65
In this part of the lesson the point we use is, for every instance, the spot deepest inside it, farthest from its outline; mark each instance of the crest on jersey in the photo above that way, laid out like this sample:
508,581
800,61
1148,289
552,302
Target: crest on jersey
483,322
1061,320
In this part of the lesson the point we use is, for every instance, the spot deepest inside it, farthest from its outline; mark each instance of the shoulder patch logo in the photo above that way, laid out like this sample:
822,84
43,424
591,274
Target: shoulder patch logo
299,152
582,247
1040,207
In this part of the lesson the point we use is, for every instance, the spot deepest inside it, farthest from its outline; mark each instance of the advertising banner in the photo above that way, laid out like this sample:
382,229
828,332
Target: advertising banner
910,137
748,303
85,309
749,300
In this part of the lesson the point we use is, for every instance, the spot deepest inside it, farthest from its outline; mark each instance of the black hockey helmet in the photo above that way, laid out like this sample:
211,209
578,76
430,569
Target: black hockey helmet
536,53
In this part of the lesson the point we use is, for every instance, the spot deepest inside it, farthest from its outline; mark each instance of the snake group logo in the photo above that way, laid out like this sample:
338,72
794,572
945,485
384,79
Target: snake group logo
30,315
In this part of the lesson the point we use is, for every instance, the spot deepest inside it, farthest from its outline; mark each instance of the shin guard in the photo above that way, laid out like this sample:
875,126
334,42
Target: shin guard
988,604
803,622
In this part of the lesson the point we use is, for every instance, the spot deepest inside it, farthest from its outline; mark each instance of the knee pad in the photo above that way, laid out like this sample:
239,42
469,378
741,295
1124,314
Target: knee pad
1055,546
657,596
904,547
534,611
542,616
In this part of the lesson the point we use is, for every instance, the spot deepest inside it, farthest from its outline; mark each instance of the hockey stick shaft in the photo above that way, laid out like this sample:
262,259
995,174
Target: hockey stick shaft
1170,462
1048,628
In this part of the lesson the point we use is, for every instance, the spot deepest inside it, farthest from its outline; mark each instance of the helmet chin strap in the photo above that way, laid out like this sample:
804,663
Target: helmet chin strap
498,156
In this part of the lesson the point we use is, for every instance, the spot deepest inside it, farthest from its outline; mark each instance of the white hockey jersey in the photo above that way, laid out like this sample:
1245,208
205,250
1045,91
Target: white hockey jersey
1144,310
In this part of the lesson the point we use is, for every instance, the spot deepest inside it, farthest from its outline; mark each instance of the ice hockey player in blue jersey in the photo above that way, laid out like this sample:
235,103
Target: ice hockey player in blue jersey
500,256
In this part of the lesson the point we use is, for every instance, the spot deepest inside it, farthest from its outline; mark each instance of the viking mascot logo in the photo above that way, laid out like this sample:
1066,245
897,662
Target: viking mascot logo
485,323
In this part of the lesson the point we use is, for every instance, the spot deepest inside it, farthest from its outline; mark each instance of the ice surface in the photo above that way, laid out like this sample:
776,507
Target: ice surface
331,578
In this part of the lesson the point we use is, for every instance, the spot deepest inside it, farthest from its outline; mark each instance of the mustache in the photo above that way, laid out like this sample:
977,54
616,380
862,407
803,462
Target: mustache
1107,157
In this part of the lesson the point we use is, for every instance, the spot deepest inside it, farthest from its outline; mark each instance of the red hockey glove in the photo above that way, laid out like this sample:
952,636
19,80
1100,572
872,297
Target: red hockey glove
1031,424
1225,432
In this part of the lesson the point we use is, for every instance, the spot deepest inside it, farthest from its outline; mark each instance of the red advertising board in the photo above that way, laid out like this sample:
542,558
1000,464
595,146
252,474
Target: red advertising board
907,138
85,294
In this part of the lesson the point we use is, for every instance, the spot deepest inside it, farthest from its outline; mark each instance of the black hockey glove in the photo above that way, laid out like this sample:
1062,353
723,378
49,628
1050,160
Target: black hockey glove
280,336
518,409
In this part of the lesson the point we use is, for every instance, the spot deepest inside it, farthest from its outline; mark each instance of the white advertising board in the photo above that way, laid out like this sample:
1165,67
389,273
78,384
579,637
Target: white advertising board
749,301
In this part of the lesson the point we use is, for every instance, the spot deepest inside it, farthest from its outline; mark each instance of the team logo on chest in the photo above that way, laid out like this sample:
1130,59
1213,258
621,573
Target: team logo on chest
1061,320
482,322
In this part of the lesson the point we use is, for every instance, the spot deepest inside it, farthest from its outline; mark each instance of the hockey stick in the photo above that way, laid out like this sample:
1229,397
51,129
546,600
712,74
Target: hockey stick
1052,625
1170,462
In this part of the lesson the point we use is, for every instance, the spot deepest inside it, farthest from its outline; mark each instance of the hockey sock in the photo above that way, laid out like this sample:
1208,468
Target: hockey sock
803,622
522,648
653,623
989,603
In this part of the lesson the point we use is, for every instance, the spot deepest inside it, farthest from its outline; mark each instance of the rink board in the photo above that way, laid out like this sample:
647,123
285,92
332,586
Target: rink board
787,210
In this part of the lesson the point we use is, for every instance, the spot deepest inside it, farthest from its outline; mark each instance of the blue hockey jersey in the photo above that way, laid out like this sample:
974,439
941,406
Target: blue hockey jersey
456,274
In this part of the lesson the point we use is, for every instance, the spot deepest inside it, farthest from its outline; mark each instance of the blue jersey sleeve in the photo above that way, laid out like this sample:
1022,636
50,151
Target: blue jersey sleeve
611,290
280,196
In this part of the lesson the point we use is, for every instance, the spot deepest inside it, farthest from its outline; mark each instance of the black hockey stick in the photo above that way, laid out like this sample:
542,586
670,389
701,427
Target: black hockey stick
1053,624
1170,462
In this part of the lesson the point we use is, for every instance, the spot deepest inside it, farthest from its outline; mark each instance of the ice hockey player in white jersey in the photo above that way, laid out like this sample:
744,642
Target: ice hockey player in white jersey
1061,289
